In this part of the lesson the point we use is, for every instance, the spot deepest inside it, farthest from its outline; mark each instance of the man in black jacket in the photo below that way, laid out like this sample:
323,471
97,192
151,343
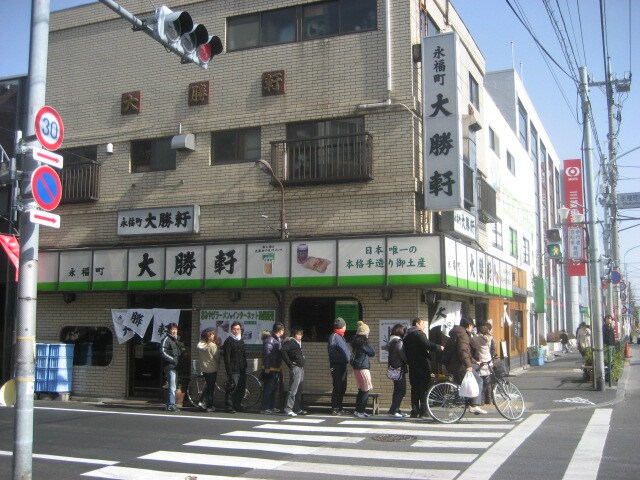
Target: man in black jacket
170,352
294,358
235,363
417,347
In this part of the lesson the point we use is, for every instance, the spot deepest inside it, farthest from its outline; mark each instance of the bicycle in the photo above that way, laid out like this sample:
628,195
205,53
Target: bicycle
252,392
445,405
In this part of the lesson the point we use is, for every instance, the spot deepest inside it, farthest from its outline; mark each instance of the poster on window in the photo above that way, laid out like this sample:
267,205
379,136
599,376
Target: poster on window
253,321
385,334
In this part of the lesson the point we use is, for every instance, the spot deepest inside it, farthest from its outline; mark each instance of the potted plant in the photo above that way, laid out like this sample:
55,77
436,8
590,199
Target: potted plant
536,356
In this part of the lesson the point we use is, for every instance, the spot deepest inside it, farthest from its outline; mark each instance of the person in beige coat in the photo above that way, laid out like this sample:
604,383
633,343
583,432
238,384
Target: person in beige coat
208,361
483,349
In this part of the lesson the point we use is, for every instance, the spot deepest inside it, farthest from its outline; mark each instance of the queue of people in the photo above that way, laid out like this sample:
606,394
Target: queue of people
409,352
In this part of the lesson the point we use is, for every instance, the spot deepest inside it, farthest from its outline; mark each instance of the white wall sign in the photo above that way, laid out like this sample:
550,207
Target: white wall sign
225,265
253,322
464,223
75,270
442,134
185,266
159,221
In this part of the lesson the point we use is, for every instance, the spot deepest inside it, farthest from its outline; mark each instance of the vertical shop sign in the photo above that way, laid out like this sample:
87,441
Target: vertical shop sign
442,135
574,200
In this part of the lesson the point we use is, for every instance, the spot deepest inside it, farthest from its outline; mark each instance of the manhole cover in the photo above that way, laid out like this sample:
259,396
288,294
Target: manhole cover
393,438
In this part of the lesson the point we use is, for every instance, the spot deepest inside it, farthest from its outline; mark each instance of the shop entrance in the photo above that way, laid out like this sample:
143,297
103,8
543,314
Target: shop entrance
146,376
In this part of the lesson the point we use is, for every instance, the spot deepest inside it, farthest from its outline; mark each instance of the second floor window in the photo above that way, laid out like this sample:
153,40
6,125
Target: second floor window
474,92
152,155
511,162
326,149
497,234
523,125
526,251
513,242
307,22
494,142
234,146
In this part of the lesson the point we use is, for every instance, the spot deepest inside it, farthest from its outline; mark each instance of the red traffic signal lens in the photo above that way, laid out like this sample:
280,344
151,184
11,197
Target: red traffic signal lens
210,49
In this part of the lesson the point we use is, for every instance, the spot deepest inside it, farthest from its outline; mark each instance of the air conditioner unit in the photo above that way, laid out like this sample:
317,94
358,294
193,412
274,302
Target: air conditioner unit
184,142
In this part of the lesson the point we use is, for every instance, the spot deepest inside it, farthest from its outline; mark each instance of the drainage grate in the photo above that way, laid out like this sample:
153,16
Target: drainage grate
394,438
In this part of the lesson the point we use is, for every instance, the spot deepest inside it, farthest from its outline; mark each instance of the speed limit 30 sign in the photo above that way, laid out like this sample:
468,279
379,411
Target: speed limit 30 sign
49,128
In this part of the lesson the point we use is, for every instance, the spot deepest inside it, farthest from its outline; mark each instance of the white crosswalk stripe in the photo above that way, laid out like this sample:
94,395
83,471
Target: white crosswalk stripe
438,452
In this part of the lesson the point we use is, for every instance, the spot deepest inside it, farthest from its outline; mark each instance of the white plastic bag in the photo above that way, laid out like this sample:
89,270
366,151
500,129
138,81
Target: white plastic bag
469,387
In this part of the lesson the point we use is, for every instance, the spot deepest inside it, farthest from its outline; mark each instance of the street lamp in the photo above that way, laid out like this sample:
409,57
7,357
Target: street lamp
265,167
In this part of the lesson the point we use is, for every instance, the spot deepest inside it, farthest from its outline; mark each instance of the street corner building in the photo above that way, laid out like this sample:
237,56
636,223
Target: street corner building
399,179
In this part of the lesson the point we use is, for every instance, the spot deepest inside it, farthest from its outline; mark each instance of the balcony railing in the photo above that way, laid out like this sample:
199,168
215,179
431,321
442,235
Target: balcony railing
343,158
80,182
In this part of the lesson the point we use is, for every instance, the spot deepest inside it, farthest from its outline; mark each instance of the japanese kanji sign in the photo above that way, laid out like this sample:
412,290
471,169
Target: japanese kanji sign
442,134
159,221
574,200
253,322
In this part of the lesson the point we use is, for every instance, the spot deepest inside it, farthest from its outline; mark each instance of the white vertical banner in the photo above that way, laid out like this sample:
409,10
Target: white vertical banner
447,316
161,318
442,133
123,333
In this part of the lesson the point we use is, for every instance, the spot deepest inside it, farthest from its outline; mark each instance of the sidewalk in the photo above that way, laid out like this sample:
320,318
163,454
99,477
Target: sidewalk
556,385
559,385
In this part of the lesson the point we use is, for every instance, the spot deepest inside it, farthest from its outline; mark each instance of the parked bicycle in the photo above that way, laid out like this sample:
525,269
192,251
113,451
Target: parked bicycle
252,393
445,405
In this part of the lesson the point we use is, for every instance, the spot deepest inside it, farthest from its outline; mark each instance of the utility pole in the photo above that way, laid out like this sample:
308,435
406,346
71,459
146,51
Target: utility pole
29,240
594,253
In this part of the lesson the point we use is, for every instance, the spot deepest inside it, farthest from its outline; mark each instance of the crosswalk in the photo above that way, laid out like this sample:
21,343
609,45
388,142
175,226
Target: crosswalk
324,447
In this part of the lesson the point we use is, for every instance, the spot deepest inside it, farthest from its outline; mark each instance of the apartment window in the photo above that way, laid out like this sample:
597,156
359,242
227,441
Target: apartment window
294,24
81,174
543,151
511,162
474,92
534,143
513,242
326,149
523,125
234,146
152,155
93,345
428,27
526,251
494,141
497,234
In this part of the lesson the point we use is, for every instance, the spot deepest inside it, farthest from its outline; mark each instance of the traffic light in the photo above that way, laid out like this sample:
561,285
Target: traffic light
192,42
554,243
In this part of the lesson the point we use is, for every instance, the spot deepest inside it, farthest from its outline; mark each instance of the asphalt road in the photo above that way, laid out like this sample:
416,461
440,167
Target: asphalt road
554,440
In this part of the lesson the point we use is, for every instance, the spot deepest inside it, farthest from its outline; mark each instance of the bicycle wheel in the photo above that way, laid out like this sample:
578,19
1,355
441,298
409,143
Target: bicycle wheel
195,389
508,400
444,404
252,392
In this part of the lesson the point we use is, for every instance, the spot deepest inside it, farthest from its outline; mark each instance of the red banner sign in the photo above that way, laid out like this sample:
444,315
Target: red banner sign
574,201
12,249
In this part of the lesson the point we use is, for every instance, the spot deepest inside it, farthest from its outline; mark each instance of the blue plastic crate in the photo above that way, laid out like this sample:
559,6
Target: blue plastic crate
55,374
42,350
41,386
60,362
58,386
536,362
61,350
42,374
42,362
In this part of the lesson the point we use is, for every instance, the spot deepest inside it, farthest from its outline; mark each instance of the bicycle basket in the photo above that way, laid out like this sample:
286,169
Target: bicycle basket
499,370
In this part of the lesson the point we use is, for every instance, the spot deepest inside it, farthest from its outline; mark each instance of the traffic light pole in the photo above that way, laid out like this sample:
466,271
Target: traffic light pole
25,322
142,25
594,252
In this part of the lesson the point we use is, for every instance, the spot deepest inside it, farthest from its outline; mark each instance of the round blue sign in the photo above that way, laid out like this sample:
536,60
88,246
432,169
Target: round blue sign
616,277
46,187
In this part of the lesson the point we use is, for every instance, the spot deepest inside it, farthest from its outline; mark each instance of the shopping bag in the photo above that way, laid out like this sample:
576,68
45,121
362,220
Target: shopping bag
469,387
394,373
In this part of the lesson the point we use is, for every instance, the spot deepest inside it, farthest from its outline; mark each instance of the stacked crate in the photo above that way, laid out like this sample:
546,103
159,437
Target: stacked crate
54,367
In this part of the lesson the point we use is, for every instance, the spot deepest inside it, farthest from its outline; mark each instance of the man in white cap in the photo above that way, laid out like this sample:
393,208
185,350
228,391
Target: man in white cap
339,355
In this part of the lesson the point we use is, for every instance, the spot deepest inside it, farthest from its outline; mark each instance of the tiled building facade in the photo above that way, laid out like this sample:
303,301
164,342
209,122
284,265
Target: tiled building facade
341,89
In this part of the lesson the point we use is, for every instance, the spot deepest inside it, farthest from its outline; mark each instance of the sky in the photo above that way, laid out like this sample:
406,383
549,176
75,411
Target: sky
495,28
